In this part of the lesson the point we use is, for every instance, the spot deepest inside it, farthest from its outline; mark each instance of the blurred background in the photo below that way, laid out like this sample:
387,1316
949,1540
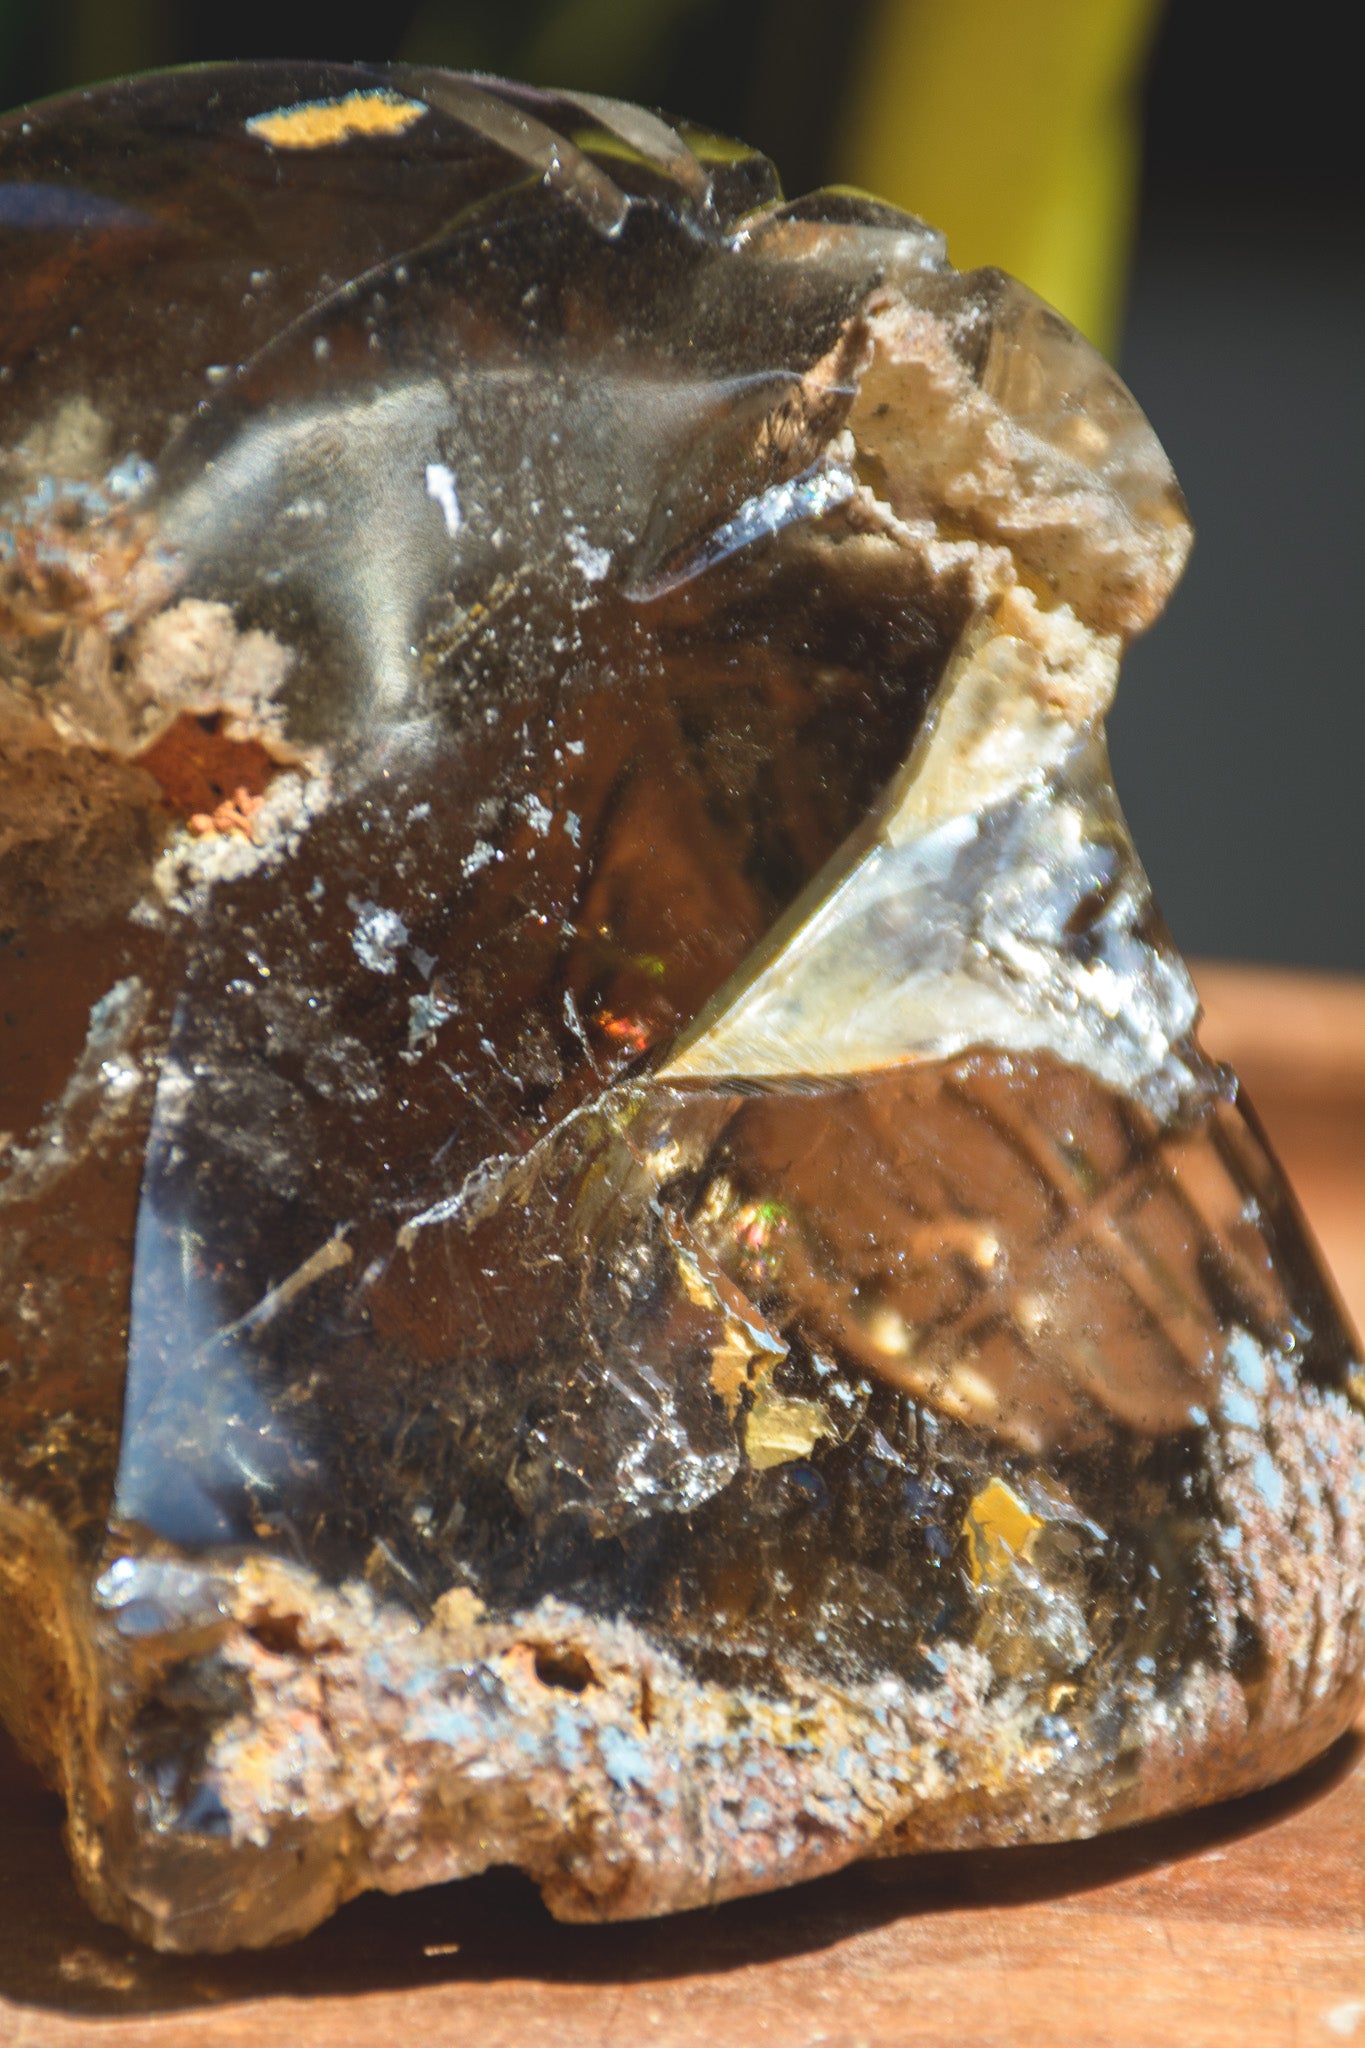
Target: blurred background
1184,184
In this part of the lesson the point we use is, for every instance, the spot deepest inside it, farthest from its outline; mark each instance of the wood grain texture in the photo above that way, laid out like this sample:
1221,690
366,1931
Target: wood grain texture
1240,1927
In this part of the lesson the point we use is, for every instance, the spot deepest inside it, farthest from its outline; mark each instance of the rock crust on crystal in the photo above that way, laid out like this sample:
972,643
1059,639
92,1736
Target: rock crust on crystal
616,1250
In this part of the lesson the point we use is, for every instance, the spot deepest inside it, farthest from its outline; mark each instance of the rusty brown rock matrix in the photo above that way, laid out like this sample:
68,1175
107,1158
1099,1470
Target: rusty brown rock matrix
616,1252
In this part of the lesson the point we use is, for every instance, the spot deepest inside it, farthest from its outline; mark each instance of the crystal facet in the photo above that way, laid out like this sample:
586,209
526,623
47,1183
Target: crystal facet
616,1250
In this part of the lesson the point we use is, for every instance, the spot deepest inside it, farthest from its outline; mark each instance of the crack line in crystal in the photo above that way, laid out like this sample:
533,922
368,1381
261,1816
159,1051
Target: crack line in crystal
326,1259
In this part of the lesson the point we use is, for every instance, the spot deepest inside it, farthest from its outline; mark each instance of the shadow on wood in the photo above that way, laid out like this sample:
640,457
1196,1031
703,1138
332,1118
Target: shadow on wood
53,1953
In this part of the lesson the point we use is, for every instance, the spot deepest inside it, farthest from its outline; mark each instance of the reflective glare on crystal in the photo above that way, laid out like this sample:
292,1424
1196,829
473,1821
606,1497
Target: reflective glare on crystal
616,1250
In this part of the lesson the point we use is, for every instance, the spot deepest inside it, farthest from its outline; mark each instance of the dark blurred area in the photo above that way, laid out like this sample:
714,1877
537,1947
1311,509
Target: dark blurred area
1239,734
773,74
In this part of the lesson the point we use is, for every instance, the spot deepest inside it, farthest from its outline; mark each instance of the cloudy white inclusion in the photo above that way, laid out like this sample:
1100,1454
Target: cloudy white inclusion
441,487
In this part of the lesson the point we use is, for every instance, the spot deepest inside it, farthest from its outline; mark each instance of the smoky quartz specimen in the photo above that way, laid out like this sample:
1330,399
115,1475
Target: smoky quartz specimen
616,1252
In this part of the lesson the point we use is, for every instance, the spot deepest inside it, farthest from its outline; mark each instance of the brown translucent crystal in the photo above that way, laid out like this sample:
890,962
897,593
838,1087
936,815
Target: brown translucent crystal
616,1252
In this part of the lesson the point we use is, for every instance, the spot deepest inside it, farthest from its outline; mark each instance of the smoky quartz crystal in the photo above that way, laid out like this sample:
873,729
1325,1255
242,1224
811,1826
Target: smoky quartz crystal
616,1250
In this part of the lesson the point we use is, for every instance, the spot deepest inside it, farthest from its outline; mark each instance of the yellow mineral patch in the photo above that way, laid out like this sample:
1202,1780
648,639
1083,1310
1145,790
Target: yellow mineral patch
779,1430
732,1365
998,1528
744,1357
316,124
747,1354
697,1289
709,148
457,1610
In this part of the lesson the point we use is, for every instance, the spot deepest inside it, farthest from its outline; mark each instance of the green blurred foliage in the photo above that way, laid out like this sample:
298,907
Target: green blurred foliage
615,44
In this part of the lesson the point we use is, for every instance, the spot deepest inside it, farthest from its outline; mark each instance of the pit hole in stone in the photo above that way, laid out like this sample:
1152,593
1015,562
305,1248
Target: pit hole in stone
199,767
280,1634
564,1665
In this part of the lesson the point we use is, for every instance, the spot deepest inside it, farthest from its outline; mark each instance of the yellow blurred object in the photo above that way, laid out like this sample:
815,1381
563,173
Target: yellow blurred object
1013,126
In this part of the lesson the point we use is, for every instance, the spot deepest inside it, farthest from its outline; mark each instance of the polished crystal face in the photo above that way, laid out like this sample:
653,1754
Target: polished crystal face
616,1252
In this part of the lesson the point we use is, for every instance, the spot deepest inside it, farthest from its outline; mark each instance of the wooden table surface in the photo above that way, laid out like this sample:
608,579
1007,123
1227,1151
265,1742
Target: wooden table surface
1240,1927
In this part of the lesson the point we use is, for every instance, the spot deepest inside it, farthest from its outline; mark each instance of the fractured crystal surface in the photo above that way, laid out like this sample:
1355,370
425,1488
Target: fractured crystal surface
616,1249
